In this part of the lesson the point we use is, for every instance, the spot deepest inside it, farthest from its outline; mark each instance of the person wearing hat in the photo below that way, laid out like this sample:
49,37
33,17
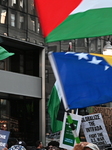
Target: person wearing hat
86,146
20,145
91,146
17,147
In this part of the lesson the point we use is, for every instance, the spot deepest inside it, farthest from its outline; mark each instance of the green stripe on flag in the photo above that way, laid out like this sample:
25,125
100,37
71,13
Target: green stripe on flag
53,108
92,23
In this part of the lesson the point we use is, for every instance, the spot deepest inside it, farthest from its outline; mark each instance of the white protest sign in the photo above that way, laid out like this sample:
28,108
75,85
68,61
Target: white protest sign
67,139
94,129
4,135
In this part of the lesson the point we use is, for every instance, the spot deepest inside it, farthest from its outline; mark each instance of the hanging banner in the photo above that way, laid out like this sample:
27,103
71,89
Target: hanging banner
4,135
94,130
67,139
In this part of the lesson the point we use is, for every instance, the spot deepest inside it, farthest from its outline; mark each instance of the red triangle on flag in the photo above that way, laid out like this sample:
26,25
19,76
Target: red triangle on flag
53,12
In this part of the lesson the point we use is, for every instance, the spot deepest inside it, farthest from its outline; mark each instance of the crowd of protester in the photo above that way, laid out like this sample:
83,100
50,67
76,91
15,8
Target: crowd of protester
14,144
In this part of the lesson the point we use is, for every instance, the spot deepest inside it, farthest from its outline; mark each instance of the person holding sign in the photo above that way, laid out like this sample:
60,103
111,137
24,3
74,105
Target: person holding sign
86,146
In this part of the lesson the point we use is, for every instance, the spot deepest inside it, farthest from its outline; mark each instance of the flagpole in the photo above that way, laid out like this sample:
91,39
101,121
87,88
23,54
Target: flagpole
52,62
76,137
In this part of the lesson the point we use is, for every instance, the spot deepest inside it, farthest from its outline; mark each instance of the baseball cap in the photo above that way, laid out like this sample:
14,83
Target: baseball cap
92,146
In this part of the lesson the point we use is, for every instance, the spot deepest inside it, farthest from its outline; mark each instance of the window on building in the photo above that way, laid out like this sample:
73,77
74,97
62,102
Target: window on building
52,48
80,43
3,2
4,108
3,16
2,64
21,22
38,27
13,20
13,3
21,3
32,7
32,23
93,46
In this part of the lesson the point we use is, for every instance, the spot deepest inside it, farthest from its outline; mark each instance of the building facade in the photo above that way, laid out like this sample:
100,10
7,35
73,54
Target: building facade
22,76
27,78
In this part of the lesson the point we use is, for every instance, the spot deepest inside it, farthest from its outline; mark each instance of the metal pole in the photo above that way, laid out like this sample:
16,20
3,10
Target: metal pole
42,108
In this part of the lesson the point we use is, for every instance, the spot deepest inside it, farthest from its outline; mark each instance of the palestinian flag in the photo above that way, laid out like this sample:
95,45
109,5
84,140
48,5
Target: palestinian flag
4,53
54,105
73,19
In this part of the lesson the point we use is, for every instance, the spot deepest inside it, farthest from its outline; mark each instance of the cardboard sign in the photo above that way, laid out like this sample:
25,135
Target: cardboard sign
4,135
67,139
94,129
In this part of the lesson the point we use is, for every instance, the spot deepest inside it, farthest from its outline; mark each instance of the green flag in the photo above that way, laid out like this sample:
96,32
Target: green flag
4,54
53,108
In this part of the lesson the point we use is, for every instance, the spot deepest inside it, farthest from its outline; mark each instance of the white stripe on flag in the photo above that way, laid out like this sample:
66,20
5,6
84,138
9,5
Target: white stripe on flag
92,4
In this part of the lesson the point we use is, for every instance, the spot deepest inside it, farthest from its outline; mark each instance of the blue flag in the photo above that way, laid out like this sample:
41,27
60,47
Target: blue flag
84,79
